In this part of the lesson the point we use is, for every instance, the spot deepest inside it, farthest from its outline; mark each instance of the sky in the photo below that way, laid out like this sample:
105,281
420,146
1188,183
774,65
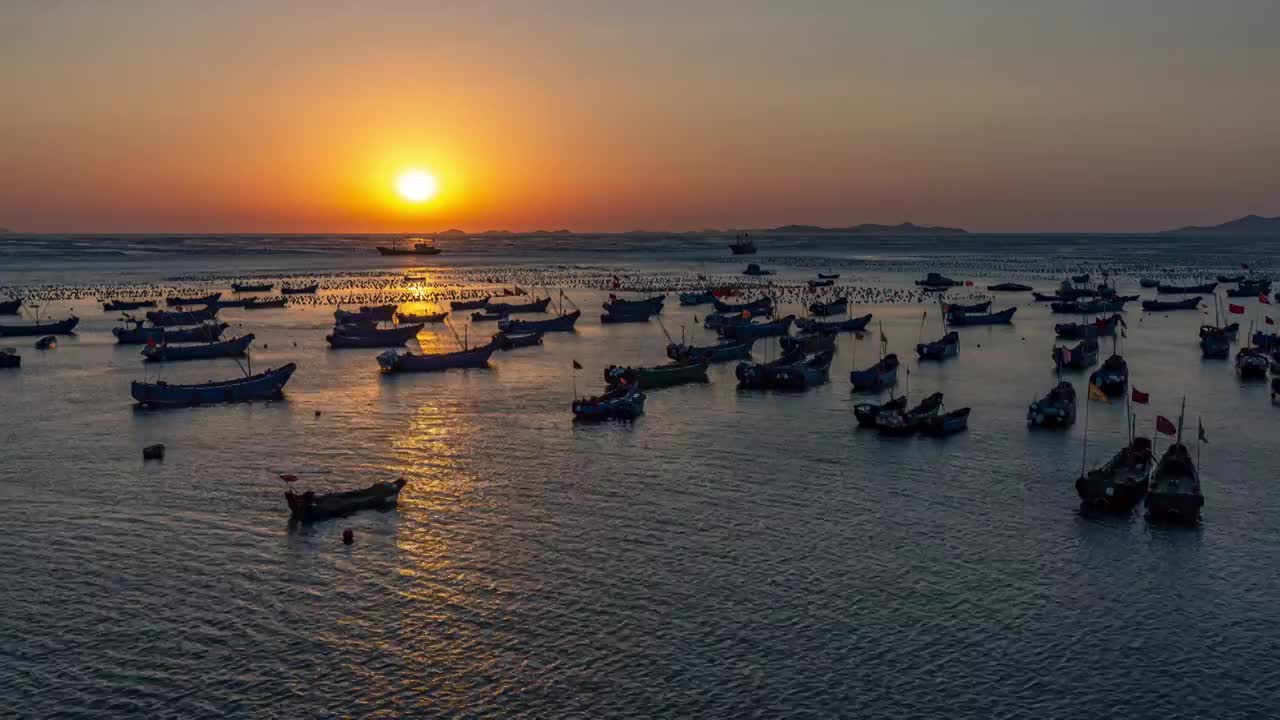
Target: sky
992,115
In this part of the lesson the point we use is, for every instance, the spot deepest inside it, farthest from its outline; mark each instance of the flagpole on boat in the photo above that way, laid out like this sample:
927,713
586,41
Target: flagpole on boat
1084,444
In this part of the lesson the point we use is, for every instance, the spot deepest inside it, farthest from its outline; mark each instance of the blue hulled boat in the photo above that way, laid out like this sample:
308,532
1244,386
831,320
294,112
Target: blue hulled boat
857,324
172,353
564,323
761,306
163,318
263,386
725,351
618,403
877,377
946,346
393,362
1004,317
752,331
139,335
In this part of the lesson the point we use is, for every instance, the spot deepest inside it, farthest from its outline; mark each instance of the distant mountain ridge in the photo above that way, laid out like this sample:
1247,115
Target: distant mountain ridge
1247,225
906,228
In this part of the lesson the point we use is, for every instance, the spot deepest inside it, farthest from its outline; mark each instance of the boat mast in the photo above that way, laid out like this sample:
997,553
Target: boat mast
1181,412
1084,443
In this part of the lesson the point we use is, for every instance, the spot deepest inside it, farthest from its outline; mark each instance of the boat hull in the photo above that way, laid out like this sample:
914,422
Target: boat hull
394,337
393,362
64,327
265,386
564,323
174,353
310,507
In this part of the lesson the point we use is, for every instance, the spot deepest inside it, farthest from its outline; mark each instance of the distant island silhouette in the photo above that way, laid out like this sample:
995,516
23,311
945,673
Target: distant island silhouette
905,228
1247,225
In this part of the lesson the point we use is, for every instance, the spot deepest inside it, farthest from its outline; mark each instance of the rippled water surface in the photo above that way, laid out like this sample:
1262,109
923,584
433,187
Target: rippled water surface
729,554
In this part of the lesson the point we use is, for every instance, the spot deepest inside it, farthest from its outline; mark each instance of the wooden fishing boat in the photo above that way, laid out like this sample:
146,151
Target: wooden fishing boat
679,372
808,342
1266,341
755,270
1055,410
366,315
835,307
651,306
1185,289
393,362
536,306
857,324
1148,282
10,307
1112,377
1004,317
1214,344
753,330
266,303
121,305
899,423
882,375
172,353
1252,364
951,423
803,375
1089,307
1249,290
564,323
309,507
934,280
1119,484
139,335
715,322
743,245
251,287
423,318
1229,331
946,346
761,306
959,308
9,358
511,341
348,336
166,318
263,386
206,300
469,304
725,351
836,276
626,316
1192,303
300,289
1009,287
1174,496
1102,327
756,375
866,413
1081,357
478,316
814,284
617,403
696,298
62,327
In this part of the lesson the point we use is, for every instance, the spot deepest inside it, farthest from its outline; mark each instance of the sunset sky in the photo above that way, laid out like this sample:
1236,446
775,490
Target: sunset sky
993,115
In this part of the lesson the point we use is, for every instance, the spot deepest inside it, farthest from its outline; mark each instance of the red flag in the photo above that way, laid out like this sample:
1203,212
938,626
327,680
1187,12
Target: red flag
151,341
1165,425
1269,320
1262,298
1140,397
288,478
1235,309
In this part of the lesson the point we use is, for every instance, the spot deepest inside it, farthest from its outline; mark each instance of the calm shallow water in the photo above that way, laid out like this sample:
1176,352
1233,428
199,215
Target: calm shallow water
731,553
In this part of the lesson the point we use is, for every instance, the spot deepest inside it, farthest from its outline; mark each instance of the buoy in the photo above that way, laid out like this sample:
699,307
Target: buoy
348,536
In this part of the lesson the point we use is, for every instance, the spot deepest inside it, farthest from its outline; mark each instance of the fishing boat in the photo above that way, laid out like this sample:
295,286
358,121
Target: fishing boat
564,323
425,318
1112,377
959,308
10,307
309,507
1004,317
393,362
882,375
1089,307
1119,484
469,304
899,423
62,327
349,336
167,318
536,306
1102,327
9,358
715,322
755,270
121,305
946,346
626,316
1252,364
206,300
1081,357
725,351
251,287
651,305
753,330
418,248
1266,341
139,335
1227,279
366,315
511,341
1174,496
696,298
619,402
1055,410
950,423
1009,287
674,373
266,303
478,316
743,245
1214,344
172,353
756,375
1192,303
814,284
263,386
1228,331
300,289
835,276
803,375
857,324
935,280
761,306
835,307
1185,289
1148,282
866,413
1245,290
808,342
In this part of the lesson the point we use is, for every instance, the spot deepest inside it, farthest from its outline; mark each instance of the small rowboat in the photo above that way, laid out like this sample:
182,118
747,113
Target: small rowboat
263,386
171,353
836,276
394,362
62,327
469,304
618,403
309,507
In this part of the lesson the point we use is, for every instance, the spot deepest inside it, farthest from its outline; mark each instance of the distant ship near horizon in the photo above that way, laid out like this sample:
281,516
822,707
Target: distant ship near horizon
419,248
743,245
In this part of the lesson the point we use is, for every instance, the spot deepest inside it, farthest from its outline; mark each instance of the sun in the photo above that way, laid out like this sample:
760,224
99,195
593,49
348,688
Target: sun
417,185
